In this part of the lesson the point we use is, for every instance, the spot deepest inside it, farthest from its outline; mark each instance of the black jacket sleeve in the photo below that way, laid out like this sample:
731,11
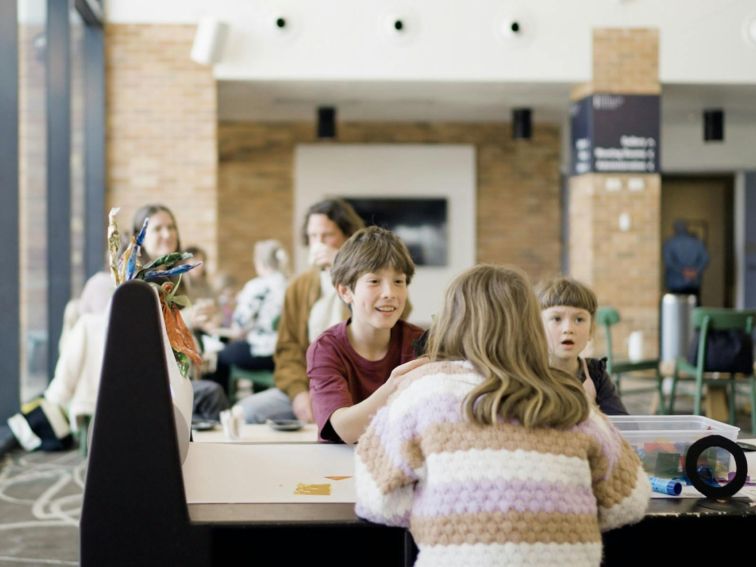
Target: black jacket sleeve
607,397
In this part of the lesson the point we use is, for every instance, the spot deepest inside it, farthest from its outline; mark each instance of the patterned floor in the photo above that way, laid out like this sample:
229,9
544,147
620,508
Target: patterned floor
40,505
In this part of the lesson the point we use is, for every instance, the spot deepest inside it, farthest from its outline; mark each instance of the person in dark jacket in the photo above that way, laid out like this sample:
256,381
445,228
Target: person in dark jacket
685,258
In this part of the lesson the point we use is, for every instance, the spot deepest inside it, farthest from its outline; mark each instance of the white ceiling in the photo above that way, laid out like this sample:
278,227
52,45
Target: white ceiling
453,101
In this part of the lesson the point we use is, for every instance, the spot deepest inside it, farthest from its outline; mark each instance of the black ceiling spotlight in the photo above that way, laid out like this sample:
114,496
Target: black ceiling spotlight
522,126
713,119
326,122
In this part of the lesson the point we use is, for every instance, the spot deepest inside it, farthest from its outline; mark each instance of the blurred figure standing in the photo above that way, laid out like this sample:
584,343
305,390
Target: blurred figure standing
685,258
258,310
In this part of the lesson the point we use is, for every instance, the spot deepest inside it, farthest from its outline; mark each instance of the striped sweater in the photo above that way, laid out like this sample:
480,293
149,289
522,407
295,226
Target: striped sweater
493,495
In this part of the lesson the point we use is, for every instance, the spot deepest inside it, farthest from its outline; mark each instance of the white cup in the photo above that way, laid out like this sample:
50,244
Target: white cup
231,424
635,346
315,249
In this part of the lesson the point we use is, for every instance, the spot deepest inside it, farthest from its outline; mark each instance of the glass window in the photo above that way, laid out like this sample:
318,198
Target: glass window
32,42
78,194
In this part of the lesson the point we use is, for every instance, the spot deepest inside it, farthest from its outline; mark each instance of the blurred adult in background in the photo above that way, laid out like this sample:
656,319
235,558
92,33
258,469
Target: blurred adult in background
685,258
162,237
254,325
226,289
311,305
77,372
197,283
203,315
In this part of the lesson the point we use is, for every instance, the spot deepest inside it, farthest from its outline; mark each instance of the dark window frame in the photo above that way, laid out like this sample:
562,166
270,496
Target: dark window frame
58,103
10,386
59,158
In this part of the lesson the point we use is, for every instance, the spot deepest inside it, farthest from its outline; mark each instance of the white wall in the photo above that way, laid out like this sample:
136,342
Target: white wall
701,40
376,170
683,148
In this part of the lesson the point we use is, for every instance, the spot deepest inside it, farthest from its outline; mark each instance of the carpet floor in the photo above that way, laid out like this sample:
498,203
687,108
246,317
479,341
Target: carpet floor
40,505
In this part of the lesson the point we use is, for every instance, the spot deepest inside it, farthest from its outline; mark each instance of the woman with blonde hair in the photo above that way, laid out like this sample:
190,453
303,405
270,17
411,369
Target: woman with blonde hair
256,315
486,453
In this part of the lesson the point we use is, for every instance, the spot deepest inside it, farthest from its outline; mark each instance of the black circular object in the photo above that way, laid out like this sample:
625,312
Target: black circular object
281,22
515,27
398,25
691,466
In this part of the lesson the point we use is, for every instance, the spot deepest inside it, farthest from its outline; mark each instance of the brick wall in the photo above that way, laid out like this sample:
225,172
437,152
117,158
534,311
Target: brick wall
626,60
161,129
518,211
622,267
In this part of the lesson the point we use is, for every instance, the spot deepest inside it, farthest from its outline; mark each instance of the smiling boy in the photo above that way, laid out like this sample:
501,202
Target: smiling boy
354,366
567,309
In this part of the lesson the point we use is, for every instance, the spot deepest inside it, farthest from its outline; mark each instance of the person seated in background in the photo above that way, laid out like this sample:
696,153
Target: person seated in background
196,281
203,315
311,305
255,319
568,308
355,365
489,455
77,372
226,290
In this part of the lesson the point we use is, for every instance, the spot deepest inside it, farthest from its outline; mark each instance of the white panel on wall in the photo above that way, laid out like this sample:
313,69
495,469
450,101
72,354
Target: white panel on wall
397,171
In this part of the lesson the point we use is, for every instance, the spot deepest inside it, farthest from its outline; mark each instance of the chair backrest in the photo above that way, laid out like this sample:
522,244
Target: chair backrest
727,351
723,319
606,317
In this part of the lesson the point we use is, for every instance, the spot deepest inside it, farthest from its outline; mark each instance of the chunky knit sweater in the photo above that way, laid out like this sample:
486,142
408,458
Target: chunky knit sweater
493,495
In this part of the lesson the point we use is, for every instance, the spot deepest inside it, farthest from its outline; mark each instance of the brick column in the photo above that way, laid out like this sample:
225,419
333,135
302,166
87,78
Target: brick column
614,197
162,129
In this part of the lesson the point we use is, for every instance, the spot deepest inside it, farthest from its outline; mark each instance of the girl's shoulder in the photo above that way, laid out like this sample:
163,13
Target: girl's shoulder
443,375
598,427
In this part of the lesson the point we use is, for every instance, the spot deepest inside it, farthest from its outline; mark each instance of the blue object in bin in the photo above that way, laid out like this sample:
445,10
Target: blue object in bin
665,486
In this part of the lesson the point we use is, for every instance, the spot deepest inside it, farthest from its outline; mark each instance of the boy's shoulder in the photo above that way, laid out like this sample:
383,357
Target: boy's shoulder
335,334
332,342
409,327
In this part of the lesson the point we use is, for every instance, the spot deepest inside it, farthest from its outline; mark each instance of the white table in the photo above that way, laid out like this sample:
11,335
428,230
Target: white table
217,473
259,433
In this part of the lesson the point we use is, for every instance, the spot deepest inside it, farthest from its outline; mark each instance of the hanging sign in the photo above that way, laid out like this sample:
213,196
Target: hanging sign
615,133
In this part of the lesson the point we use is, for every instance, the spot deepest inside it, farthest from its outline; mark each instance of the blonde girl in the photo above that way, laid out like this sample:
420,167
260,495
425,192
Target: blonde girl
487,454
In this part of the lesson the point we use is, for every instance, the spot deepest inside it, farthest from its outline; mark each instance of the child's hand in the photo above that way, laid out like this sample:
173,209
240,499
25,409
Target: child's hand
322,255
399,372
301,407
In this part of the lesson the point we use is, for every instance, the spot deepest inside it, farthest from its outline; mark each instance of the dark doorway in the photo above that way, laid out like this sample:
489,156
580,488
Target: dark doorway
706,202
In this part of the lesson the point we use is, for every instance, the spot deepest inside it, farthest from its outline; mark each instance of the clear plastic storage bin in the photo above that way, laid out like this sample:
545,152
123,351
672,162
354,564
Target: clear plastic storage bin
662,441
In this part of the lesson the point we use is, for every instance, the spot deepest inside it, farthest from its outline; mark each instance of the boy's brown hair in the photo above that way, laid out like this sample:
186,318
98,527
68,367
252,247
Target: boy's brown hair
567,292
368,250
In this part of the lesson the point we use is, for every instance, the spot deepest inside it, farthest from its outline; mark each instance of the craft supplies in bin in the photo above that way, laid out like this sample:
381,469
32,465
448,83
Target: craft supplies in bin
662,442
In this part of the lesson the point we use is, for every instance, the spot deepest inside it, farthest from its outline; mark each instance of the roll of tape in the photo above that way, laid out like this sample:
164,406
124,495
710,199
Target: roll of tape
700,483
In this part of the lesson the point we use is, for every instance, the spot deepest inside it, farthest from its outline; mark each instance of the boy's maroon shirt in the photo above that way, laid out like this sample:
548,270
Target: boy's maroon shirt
339,377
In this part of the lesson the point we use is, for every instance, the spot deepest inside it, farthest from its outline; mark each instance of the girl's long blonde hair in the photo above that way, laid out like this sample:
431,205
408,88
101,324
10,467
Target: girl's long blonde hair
491,318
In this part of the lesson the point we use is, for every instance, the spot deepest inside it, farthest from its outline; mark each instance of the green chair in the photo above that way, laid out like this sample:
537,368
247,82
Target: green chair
82,435
607,317
706,320
261,380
